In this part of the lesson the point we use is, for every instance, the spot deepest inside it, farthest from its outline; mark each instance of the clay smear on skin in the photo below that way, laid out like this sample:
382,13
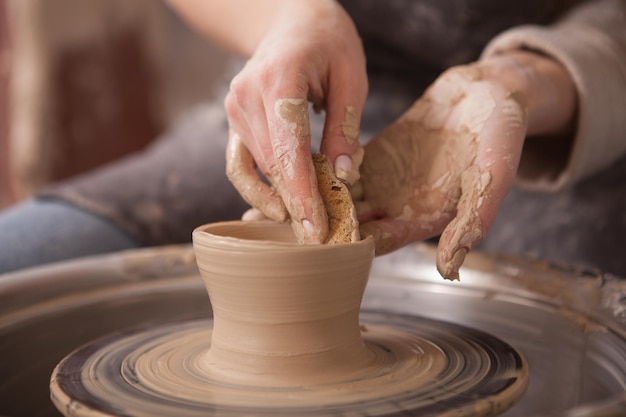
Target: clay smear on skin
350,126
293,113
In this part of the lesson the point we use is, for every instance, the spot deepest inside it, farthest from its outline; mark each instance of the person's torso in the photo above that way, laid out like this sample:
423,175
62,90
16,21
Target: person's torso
400,34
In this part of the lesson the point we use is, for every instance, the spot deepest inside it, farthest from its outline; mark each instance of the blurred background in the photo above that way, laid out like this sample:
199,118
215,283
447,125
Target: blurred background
85,82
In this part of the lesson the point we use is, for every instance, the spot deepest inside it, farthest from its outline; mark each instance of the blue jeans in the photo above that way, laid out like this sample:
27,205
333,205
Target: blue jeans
41,231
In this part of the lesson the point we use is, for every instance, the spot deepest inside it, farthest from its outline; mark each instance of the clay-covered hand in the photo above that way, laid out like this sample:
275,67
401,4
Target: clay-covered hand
311,53
448,162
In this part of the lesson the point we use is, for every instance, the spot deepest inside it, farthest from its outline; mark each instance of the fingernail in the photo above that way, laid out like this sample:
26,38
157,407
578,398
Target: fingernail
308,227
310,234
343,166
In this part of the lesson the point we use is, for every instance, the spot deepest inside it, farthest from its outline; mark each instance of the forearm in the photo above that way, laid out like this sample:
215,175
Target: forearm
240,25
590,43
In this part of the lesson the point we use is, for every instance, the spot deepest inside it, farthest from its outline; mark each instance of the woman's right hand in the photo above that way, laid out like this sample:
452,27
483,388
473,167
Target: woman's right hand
311,52
445,166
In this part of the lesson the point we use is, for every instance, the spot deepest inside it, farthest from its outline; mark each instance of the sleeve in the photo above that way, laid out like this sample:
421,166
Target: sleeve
590,42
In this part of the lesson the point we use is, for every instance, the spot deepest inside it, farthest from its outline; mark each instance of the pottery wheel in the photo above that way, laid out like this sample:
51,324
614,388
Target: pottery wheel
424,367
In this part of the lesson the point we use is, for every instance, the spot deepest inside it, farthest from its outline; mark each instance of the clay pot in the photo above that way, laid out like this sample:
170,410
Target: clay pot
285,314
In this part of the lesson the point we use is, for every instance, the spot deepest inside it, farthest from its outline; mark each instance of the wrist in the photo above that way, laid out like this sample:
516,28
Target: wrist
545,86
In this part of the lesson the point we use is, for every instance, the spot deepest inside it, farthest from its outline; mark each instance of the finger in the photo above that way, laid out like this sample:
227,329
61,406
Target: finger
484,185
340,142
280,143
241,171
246,116
290,136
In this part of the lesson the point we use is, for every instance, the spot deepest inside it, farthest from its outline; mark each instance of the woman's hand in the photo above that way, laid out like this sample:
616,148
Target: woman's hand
449,161
311,53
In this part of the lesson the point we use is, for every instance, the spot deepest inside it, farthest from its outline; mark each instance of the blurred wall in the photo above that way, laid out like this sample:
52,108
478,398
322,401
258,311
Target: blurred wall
6,191
90,81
